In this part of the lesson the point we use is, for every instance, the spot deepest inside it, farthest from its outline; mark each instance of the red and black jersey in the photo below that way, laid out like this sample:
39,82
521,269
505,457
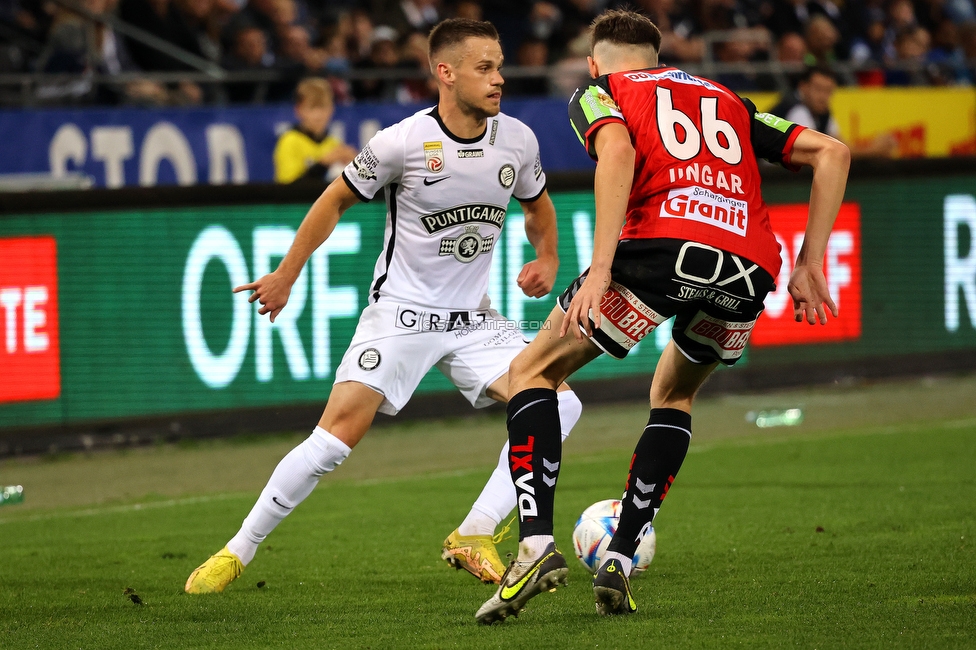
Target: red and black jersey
696,175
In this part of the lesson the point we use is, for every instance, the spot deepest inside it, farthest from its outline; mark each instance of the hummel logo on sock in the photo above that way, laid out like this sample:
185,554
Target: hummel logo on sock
552,467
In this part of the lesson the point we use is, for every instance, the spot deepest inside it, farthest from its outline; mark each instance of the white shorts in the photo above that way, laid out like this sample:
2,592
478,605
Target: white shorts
396,345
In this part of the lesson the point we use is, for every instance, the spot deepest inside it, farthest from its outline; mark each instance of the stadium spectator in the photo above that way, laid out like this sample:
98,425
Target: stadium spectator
25,27
337,65
869,45
306,151
736,52
77,45
406,16
680,39
532,52
793,15
160,18
414,55
384,56
945,61
200,17
295,52
249,52
571,71
967,42
809,106
791,50
821,36
470,9
359,35
911,47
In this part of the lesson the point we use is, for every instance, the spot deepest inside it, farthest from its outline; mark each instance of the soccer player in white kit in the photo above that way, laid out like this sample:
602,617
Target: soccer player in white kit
447,175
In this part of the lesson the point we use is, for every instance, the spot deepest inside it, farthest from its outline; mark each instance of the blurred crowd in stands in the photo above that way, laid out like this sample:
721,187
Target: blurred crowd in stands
376,50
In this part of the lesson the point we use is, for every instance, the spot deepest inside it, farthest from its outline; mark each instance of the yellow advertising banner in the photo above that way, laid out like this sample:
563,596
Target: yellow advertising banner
926,122
923,122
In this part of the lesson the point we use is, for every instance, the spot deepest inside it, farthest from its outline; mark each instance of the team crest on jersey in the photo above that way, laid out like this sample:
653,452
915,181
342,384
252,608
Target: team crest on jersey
434,156
506,175
468,246
369,359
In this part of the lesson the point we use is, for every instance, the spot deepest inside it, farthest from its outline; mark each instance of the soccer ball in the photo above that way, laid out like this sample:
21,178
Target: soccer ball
592,535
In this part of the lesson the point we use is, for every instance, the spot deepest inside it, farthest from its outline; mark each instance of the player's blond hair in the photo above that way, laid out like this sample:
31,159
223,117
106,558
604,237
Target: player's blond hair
314,92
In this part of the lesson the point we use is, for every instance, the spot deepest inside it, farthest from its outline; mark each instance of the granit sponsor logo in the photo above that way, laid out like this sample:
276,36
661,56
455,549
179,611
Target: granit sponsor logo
365,164
703,206
463,215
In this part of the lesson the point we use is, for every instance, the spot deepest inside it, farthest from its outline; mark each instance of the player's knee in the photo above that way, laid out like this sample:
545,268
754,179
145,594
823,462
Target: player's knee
323,452
519,369
570,409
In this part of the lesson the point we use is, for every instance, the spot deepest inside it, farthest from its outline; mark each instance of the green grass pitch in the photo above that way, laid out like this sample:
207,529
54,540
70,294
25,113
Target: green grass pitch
854,530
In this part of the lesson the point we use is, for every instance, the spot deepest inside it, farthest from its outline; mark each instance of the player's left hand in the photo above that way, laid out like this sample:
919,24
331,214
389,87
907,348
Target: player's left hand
808,288
537,277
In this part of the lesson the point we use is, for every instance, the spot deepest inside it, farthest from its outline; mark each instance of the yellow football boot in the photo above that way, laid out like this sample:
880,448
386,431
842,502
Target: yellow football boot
215,574
476,554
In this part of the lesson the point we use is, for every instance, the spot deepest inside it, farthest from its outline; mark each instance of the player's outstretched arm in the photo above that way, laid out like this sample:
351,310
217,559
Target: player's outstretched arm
831,160
611,188
273,289
538,276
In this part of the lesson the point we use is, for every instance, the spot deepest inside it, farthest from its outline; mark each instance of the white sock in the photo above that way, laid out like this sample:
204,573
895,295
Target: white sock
531,548
497,499
292,480
626,563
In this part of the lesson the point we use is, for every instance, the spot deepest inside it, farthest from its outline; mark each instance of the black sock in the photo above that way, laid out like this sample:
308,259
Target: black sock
536,449
656,462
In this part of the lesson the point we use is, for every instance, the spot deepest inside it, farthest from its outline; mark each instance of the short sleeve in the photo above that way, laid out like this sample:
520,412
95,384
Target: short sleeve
772,137
531,181
377,165
590,108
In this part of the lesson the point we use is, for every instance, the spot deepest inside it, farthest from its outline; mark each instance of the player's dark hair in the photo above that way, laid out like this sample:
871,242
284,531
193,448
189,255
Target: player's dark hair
623,27
455,30
823,70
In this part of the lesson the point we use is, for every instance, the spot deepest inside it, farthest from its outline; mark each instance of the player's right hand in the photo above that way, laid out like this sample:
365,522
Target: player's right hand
808,288
586,301
271,291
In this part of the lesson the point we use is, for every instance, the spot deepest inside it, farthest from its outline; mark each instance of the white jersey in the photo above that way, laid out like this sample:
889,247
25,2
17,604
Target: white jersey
446,200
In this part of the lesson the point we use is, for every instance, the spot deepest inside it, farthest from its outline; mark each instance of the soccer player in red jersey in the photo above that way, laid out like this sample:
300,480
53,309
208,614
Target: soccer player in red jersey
681,231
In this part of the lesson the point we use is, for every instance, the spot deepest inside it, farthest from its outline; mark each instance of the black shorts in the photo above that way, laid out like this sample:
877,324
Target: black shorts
715,297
